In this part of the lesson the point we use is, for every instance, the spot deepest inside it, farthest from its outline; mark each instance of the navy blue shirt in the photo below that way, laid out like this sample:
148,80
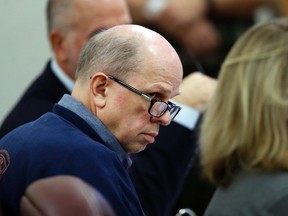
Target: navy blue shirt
70,141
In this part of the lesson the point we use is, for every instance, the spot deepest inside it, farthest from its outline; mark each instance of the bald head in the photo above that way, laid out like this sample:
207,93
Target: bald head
149,39
63,196
126,49
152,45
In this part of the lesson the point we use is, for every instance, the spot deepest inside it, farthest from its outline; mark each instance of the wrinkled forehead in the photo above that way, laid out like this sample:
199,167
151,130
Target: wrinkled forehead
161,76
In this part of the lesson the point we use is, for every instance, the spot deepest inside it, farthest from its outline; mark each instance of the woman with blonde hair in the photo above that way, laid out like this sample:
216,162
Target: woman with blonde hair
244,139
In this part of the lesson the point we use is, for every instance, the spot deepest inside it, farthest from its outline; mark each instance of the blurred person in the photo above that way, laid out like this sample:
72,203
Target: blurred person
178,17
178,20
125,78
70,24
63,196
196,28
244,138
282,6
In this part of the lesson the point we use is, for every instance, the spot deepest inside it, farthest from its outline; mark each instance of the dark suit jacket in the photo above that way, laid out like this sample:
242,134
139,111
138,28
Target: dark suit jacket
158,173
40,97
37,152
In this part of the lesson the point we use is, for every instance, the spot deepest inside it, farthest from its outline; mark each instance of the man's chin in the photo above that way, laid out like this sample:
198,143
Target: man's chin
138,148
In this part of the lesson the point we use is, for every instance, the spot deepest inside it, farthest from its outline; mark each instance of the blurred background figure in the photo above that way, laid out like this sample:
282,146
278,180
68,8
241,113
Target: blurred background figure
202,29
244,137
63,196
68,30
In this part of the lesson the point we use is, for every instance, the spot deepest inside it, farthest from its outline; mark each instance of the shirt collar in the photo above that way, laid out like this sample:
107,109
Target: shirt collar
62,76
109,139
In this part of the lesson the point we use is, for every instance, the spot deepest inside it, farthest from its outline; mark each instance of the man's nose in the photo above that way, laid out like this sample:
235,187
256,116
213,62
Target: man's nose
165,119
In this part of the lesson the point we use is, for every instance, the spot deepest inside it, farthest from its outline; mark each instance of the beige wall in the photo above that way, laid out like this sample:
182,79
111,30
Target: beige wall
24,48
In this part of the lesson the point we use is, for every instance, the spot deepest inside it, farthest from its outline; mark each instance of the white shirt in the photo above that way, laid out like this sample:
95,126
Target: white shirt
187,117
63,77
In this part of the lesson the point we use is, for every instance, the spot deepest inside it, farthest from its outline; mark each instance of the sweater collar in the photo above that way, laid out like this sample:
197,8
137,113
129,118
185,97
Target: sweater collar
109,140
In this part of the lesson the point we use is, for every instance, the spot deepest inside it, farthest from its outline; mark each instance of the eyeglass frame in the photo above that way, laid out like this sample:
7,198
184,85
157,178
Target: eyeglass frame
169,104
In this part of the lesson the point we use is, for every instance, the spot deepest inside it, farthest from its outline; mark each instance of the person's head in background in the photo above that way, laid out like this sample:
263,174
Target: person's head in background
246,125
71,23
140,58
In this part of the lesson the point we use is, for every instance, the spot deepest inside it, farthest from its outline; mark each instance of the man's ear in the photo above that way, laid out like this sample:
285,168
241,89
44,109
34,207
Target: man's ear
99,88
57,41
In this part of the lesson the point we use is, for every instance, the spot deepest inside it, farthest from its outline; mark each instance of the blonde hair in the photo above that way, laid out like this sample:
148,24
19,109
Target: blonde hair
246,125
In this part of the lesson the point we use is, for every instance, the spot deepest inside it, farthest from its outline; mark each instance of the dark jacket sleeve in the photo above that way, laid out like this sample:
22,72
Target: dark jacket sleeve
159,172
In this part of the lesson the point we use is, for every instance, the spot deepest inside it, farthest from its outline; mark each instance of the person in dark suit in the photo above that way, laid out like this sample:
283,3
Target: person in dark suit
39,98
84,135
162,167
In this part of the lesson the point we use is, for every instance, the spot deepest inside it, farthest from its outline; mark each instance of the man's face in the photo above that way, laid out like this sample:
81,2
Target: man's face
126,113
92,17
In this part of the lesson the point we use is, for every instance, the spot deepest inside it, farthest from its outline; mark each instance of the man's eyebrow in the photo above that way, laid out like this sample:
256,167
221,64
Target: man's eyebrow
160,89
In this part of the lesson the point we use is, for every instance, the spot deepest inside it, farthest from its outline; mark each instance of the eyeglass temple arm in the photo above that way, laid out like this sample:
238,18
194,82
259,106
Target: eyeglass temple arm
130,87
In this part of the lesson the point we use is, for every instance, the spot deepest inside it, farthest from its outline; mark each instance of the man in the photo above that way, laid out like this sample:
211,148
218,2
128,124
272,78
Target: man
158,172
70,24
124,80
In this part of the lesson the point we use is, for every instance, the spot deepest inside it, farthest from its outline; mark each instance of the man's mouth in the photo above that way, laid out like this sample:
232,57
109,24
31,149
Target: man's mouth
150,137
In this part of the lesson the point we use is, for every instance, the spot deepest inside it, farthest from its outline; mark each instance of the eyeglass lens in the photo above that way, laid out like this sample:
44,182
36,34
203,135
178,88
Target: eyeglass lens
158,108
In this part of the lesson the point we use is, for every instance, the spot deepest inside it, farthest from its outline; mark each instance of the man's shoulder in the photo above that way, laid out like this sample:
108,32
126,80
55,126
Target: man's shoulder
51,131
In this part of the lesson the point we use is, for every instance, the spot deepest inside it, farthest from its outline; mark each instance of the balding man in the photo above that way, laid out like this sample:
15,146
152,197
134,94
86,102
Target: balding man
158,173
124,81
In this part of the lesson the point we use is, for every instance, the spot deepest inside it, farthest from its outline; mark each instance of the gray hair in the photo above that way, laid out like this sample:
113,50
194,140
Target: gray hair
112,53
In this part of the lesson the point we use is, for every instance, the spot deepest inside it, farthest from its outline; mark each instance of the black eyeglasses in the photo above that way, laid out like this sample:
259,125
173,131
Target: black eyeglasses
157,107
